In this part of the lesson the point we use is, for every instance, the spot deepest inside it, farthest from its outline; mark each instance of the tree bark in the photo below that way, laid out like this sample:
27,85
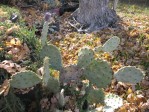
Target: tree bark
95,14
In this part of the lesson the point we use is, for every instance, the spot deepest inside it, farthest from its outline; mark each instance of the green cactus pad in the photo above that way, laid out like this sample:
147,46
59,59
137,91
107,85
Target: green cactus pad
129,74
111,44
85,57
44,33
53,85
71,73
54,54
46,69
96,96
114,101
99,73
24,79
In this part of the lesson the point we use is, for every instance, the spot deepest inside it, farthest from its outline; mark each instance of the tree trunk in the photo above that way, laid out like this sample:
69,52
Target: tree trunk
95,14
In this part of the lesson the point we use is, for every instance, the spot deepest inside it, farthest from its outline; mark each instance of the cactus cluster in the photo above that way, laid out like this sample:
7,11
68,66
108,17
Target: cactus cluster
97,71
27,79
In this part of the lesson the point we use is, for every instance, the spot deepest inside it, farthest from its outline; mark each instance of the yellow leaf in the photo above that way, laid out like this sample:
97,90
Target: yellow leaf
15,41
129,91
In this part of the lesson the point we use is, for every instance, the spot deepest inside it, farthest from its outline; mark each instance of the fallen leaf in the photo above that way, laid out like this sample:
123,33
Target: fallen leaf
12,30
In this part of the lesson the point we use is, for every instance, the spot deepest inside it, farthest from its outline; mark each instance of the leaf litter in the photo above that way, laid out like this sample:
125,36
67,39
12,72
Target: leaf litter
133,50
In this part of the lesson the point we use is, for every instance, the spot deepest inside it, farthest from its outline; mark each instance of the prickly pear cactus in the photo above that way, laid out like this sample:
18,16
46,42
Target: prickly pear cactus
96,96
53,85
46,76
85,57
54,55
44,34
50,83
71,73
129,74
111,44
113,101
24,79
98,73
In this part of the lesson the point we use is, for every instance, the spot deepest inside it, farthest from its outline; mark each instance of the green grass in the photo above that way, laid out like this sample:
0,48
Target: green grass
9,10
24,33
133,9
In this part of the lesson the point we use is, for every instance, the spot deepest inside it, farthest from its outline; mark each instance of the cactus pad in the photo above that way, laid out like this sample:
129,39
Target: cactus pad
99,73
96,96
85,56
53,85
113,101
54,54
44,33
111,44
24,79
71,73
46,69
129,74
